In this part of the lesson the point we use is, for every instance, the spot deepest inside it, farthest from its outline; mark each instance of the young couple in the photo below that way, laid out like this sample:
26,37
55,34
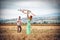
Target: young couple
29,17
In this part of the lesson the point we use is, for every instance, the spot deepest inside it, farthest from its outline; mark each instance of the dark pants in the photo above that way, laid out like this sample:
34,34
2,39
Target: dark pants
19,29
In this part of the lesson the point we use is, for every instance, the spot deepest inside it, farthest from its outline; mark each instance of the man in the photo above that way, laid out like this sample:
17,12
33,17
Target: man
19,24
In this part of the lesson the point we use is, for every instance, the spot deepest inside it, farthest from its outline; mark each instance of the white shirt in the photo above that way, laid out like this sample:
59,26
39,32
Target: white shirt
18,22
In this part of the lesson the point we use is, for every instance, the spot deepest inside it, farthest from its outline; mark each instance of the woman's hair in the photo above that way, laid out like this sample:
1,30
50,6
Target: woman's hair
30,17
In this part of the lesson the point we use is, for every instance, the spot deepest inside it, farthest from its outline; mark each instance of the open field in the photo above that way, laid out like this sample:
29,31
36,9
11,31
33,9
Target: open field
37,33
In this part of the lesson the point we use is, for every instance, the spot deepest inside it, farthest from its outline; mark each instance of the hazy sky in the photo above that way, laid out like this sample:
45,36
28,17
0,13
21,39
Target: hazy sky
9,8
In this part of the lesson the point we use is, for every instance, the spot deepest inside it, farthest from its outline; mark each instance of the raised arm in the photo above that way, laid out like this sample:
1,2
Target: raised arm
27,14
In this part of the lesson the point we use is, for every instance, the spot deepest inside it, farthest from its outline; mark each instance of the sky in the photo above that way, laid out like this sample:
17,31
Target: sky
9,8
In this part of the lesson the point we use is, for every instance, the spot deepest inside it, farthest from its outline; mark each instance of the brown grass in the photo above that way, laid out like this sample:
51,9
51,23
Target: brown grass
12,24
37,33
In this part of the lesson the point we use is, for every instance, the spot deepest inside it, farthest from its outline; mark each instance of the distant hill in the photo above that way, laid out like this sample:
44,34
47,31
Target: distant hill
49,18
34,20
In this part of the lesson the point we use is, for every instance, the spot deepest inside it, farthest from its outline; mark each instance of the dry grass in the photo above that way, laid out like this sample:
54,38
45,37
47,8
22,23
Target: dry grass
12,24
37,33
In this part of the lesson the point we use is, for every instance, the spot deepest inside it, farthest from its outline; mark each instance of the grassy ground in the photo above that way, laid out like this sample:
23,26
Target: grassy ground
37,33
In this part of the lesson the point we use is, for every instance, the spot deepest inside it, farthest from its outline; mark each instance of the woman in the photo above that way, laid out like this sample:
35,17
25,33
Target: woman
28,28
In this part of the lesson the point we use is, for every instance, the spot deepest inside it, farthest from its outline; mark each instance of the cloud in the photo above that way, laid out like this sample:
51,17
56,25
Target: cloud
28,4
25,4
9,9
